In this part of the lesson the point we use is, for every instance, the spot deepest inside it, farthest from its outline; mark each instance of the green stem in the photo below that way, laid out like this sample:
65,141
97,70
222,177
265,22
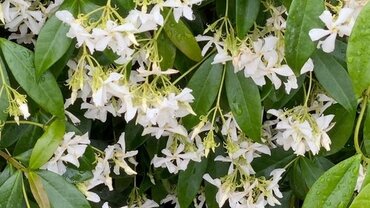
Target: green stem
27,122
192,68
358,125
12,161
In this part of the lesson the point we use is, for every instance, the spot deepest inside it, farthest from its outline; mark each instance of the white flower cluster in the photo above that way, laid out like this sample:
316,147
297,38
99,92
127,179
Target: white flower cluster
260,57
117,33
240,187
71,149
304,128
26,18
254,192
338,24
101,174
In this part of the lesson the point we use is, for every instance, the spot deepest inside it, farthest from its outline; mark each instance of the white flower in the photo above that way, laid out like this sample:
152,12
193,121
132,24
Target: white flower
171,198
224,190
120,155
341,26
76,30
174,161
71,149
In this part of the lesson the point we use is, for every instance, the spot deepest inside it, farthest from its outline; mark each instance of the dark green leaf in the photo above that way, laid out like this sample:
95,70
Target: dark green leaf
166,50
362,199
11,191
77,176
303,16
334,78
335,187
358,52
11,133
246,13
182,37
189,181
38,190
4,103
44,92
47,144
305,173
205,84
245,103
61,193
27,137
265,164
52,42
6,174
342,130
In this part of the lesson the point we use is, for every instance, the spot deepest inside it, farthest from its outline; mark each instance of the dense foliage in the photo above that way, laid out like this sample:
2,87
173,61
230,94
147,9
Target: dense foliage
184,103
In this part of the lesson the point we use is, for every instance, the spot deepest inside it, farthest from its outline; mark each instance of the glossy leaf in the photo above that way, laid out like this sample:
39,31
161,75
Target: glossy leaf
246,14
303,16
166,50
182,38
52,42
205,84
335,80
47,144
358,52
342,130
11,191
335,187
7,172
4,103
44,92
27,137
266,163
38,190
61,193
362,199
12,133
188,189
245,103
304,174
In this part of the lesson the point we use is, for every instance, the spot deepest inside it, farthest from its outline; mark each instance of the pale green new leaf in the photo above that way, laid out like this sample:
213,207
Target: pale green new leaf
47,144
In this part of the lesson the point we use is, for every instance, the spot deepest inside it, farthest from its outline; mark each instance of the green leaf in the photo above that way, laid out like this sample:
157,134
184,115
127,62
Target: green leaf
362,199
38,190
189,182
11,194
27,137
266,163
166,50
4,103
246,14
12,133
182,37
47,144
52,42
61,193
335,80
44,92
303,16
342,130
6,174
245,103
335,187
205,84
304,174
358,52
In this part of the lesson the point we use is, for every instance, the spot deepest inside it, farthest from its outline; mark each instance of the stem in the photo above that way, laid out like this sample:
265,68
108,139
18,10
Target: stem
25,195
26,122
308,90
192,68
219,96
12,161
358,125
